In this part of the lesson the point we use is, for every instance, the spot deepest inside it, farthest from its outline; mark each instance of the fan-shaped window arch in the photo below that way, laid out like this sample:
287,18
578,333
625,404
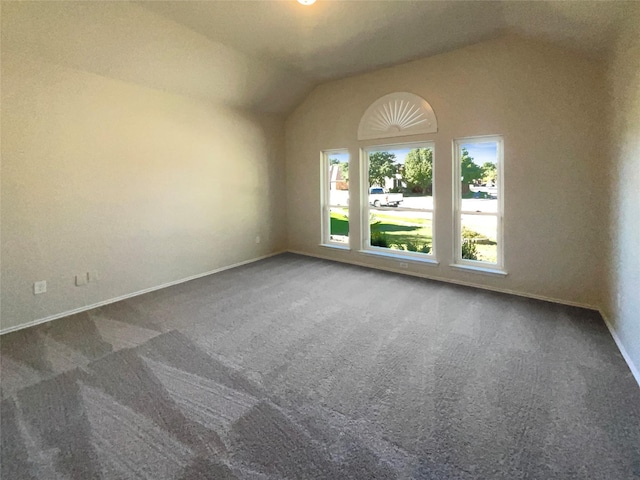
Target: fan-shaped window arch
396,115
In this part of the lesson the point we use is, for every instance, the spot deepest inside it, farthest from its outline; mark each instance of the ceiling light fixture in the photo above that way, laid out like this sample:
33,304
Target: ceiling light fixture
306,2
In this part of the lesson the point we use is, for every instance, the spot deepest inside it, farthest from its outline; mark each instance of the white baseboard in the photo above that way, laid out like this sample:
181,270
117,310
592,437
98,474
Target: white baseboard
130,295
453,281
635,371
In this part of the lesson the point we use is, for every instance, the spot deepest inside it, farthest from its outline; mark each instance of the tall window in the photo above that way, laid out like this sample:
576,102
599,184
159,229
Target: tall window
478,201
335,197
398,208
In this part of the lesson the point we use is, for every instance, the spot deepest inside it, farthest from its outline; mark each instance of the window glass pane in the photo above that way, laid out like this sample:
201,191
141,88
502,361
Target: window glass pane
479,177
401,229
479,238
338,177
339,198
400,198
336,197
401,177
339,225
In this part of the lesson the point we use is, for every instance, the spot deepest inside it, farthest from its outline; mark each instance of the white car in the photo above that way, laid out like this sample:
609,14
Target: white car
379,197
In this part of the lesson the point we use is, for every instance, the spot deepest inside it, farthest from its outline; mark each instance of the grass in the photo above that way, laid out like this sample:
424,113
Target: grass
403,230
339,224
477,228
487,253
400,230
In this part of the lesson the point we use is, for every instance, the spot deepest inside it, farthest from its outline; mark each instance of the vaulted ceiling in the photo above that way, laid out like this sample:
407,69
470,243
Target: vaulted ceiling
333,39
267,55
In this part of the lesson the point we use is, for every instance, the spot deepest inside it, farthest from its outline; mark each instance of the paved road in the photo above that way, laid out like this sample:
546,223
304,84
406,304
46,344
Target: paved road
420,203
468,204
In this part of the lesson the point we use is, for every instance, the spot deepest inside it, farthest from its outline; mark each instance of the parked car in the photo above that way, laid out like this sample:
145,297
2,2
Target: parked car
379,197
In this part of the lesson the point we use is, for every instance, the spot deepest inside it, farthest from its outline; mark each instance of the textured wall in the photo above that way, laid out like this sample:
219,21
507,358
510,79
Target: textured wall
141,185
546,101
622,305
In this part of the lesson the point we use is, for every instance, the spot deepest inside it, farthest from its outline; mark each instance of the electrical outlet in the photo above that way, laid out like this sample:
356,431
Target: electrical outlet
257,238
39,287
81,279
404,265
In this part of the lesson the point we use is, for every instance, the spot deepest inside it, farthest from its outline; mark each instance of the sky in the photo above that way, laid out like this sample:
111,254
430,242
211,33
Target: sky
343,157
480,152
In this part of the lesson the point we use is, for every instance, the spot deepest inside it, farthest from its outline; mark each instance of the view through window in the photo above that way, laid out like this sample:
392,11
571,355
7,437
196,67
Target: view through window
399,207
479,201
335,165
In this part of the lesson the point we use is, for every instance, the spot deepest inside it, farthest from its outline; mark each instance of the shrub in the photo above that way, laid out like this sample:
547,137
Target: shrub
379,239
470,234
469,250
476,237
412,247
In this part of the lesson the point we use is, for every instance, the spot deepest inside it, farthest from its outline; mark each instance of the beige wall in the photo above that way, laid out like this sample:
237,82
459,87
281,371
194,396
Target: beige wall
547,103
141,185
622,303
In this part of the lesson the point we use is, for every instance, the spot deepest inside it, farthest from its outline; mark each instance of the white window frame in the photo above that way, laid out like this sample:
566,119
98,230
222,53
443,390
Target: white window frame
325,196
458,261
365,207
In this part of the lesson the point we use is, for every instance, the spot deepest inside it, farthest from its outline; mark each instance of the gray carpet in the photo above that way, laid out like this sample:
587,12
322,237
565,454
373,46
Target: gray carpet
297,368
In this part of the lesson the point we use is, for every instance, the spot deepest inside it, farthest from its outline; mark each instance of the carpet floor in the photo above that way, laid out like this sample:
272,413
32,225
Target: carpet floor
298,368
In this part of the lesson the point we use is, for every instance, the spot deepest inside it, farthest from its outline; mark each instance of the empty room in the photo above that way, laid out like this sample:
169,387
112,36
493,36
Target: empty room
297,239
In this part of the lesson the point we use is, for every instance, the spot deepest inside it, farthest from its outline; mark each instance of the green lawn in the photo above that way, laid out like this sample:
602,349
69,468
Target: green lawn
487,253
339,224
484,229
402,230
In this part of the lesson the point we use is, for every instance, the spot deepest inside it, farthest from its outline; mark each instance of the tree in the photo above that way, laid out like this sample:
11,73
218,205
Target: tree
470,171
381,166
334,161
344,171
489,172
418,168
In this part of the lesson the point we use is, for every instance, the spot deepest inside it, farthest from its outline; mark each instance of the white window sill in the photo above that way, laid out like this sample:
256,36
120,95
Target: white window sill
400,257
335,246
479,269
